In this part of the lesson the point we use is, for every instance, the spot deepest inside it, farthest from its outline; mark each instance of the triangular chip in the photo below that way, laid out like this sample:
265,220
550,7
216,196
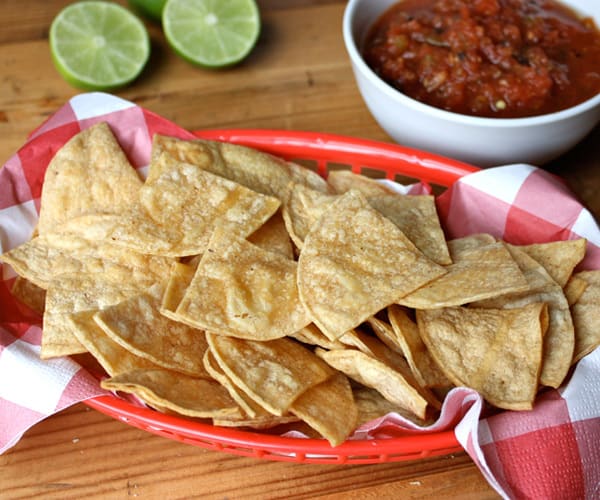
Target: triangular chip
559,258
273,373
89,174
329,408
139,327
481,268
559,339
373,373
586,315
406,336
497,352
185,395
354,263
343,181
242,290
273,236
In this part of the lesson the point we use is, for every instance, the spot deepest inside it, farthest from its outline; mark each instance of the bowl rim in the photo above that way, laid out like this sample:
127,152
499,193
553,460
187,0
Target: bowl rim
361,66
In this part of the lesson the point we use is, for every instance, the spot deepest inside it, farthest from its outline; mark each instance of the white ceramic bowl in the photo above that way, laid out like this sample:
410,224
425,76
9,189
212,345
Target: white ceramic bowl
480,141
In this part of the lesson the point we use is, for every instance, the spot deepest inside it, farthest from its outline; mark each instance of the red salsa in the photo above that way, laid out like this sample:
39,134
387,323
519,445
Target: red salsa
494,58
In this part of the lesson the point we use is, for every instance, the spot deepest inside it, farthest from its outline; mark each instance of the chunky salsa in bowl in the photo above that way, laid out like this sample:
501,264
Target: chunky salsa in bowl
488,82
493,58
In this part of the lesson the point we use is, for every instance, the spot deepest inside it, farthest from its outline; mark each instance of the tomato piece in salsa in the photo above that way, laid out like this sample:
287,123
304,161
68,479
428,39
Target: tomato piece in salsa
491,58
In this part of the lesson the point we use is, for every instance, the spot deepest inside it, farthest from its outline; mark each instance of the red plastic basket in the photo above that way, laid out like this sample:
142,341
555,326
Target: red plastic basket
322,152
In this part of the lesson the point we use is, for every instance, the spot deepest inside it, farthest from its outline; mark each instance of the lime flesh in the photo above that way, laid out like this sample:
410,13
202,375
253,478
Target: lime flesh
97,45
211,33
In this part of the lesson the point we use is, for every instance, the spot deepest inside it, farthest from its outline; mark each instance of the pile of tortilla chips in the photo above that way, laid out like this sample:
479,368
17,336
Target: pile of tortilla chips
233,286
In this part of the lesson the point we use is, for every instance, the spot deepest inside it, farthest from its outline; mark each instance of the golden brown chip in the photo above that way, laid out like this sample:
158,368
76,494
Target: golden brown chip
31,295
407,338
185,395
302,209
329,408
73,293
273,373
376,374
137,324
372,405
242,290
90,174
251,409
111,356
559,340
273,236
586,315
180,277
574,289
343,181
481,268
497,352
559,258
195,201
311,335
43,258
354,263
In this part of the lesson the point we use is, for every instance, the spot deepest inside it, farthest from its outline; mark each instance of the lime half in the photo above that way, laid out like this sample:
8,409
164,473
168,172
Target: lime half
211,33
98,45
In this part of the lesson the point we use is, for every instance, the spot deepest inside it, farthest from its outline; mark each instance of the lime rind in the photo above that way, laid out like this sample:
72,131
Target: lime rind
97,45
211,33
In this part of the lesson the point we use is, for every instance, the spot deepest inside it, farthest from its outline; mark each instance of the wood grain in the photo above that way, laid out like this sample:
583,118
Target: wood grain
298,78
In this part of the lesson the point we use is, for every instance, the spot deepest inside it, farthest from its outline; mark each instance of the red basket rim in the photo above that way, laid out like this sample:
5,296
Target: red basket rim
393,159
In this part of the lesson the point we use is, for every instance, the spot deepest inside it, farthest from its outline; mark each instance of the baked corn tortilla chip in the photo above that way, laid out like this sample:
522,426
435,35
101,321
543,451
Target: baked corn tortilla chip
559,339
244,291
311,335
250,408
273,236
30,294
44,258
114,358
185,395
329,408
195,201
137,324
273,373
574,289
354,263
559,258
407,337
179,279
302,209
497,352
482,267
373,373
586,315
343,181
89,174
73,293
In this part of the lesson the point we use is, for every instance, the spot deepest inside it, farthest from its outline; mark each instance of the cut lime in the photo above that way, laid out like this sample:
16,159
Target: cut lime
149,8
98,45
211,33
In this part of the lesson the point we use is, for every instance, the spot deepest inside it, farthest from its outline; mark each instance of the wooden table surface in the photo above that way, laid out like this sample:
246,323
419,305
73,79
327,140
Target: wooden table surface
297,78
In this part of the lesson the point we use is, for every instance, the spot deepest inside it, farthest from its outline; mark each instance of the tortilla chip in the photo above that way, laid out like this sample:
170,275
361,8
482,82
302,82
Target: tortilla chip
373,373
497,352
586,315
179,280
559,258
195,201
139,327
29,294
372,405
343,181
329,408
574,289
355,262
244,291
559,339
185,395
90,174
273,373
407,337
311,335
273,236
114,358
481,268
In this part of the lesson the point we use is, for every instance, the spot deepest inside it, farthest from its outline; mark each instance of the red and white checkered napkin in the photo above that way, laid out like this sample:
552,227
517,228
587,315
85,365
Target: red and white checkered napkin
550,452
